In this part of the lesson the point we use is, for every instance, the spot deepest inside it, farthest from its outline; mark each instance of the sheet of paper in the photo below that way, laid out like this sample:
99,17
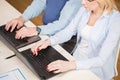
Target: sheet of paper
15,74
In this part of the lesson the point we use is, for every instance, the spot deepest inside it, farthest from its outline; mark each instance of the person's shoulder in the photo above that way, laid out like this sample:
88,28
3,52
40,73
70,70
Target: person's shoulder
115,20
80,12
82,9
115,15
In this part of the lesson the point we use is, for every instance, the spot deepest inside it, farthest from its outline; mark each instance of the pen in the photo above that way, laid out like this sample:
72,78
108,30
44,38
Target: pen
10,56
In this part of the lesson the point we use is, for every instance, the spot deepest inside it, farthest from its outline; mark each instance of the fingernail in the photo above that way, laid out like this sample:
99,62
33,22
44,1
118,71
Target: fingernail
38,49
47,69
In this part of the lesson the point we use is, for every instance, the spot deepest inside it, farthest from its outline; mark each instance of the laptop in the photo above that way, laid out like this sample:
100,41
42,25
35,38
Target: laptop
39,63
16,43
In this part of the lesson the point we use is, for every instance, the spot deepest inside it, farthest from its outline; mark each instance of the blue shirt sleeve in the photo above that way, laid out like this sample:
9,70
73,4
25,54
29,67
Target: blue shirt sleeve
66,34
36,7
66,15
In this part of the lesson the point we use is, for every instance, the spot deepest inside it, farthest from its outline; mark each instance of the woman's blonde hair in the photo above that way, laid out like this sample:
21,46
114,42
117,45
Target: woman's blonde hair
117,2
109,5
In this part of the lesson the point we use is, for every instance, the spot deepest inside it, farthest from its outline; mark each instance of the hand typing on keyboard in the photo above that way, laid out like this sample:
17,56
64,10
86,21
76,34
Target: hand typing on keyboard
15,23
35,53
39,46
26,32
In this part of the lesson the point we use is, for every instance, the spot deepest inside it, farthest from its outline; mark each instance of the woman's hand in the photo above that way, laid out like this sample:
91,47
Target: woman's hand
15,23
61,66
40,45
26,32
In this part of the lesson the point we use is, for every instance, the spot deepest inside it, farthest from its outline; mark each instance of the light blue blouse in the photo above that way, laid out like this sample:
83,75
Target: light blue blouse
103,42
68,12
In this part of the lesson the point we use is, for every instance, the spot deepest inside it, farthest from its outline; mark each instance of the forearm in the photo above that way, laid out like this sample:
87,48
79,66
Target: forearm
61,37
52,28
22,19
34,9
64,19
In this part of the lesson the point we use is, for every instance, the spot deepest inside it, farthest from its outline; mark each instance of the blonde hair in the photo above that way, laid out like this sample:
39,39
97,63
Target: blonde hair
108,5
117,2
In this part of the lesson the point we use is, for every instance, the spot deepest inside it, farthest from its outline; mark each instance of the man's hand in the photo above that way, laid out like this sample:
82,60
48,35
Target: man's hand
15,23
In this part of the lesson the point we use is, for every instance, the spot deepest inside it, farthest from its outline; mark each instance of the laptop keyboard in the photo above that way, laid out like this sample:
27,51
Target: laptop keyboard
40,58
11,36
17,43
43,58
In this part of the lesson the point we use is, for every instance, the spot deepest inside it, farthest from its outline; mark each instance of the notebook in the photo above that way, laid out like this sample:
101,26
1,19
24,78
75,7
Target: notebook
16,43
38,63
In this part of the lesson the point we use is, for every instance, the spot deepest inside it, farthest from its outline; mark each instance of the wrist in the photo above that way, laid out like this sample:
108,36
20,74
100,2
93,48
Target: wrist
21,19
38,30
73,65
48,42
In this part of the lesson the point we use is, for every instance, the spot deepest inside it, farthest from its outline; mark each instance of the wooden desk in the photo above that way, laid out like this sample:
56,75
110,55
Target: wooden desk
7,12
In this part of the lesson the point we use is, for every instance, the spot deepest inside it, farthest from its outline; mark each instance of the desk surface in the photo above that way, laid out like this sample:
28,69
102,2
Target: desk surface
7,13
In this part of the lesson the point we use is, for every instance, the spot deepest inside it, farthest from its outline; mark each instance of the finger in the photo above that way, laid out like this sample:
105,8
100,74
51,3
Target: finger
56,71
17,36
22,36
47,69
33,52
53,68
32,49
8,25
53,63
24,32
18,26
38,49
13,27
